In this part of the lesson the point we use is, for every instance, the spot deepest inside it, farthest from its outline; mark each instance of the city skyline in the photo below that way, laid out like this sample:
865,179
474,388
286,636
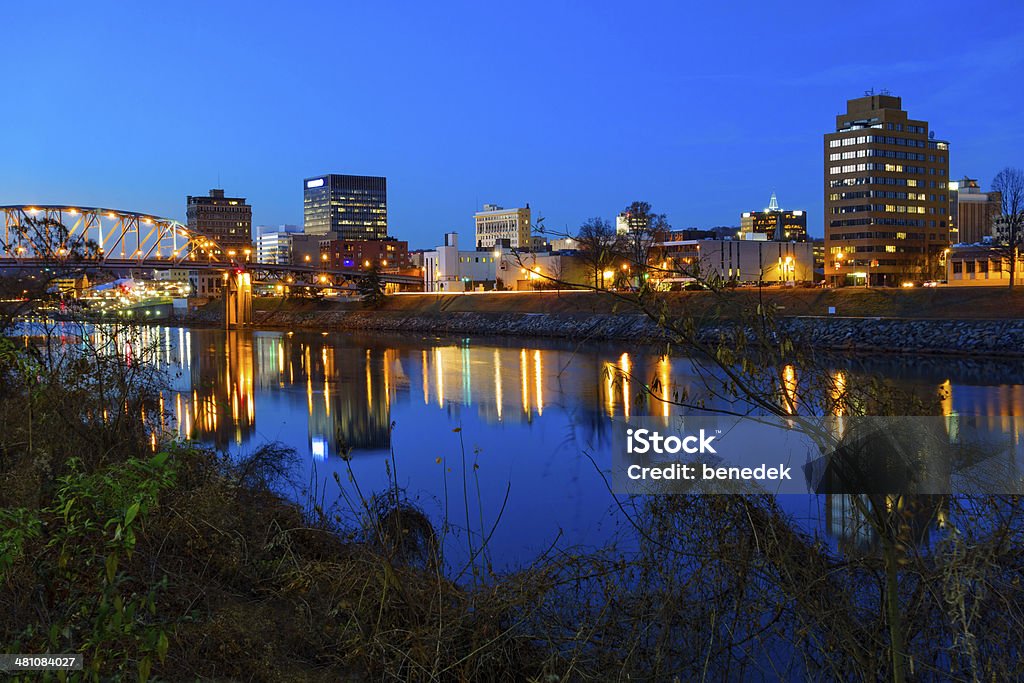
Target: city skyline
471,124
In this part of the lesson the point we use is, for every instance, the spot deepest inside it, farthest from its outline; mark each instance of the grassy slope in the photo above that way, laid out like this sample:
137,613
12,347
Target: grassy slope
951,303
945,302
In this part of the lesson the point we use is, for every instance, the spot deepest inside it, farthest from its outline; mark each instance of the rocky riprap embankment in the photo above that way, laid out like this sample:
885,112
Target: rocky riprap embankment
985,337
989,337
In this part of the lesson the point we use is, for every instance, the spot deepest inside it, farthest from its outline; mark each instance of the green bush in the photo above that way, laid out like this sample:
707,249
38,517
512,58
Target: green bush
81,546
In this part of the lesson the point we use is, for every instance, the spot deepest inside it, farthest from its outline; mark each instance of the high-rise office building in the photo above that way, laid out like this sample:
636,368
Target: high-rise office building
628,222
777,224
227,221
353,207
975,212
886,196
495,223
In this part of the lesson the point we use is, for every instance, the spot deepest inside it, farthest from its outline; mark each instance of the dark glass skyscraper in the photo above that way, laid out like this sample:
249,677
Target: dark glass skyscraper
354,207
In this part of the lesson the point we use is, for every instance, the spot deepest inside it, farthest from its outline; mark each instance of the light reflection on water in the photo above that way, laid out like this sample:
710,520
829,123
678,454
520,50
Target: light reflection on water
528,410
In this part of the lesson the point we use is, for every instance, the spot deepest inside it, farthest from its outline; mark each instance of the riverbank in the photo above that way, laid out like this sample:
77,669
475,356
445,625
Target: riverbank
958,321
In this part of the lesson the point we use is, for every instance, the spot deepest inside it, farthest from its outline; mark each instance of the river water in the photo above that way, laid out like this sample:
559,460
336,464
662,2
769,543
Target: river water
474,429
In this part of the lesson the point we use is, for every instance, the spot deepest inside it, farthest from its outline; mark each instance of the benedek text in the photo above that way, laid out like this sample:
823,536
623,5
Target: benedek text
690,472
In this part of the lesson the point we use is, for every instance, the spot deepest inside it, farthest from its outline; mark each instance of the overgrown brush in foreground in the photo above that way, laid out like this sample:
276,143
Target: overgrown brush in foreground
178,563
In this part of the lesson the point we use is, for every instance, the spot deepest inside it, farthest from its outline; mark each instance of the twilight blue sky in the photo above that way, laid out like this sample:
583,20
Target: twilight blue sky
575,107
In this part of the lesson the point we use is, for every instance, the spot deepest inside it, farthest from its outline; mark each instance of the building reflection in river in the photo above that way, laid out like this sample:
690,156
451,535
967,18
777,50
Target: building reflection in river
348,386
348,390
219,404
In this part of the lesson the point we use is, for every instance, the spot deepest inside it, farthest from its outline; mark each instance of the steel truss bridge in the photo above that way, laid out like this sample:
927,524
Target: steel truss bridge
61,236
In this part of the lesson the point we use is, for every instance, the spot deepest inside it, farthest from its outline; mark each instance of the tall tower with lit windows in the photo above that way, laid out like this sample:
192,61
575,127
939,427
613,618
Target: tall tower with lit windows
225,220
353,207
886,196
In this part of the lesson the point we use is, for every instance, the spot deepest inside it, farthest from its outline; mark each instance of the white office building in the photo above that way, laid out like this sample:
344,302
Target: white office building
449,269
274,244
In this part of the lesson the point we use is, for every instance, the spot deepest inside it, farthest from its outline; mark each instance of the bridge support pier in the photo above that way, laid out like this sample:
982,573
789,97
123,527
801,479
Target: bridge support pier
237,292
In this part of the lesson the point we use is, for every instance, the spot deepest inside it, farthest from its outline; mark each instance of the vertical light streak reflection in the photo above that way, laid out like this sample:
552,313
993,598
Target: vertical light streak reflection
624,366
369,384
789,389
387,379
609,388
327,388
538,380
439,377
309,389
665,378
526,386
467,377
327,397
839,401
838,393
497,383
946,392
426,379
177,412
